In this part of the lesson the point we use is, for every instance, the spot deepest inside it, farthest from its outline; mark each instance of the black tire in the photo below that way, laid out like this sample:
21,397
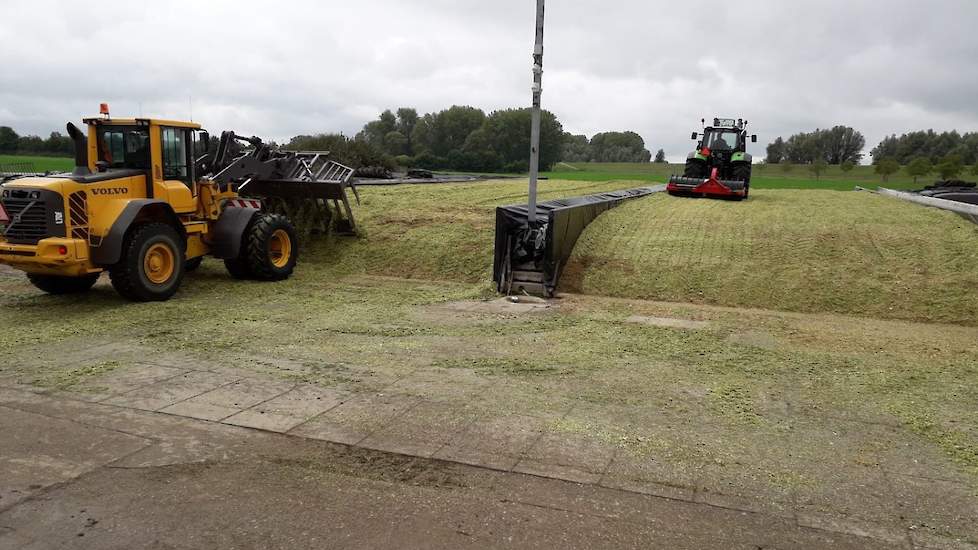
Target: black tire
54,284
192,264
137,276
238,268
741,172
696,168
270,249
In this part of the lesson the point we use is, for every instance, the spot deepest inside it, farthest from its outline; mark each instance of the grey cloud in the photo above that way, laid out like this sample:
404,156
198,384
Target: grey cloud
294,67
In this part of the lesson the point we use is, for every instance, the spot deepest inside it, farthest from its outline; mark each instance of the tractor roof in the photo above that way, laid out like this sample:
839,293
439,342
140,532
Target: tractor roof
730,123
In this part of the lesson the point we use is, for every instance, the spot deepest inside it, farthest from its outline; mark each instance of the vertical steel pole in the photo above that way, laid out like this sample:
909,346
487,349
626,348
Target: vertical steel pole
535,118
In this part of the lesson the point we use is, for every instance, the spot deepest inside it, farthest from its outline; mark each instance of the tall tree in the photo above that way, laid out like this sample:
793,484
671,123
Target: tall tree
509,131
835,146
8,140
619,147
576,148
660,156
407,119
776,151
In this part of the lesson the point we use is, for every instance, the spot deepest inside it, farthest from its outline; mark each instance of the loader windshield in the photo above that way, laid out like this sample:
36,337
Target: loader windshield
721,139
124,147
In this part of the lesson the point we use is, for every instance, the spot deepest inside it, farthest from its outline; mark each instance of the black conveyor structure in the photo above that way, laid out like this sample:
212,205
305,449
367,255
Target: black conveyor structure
530,259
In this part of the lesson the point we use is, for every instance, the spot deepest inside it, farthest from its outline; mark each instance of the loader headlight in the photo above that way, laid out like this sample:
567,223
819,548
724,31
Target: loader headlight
35,195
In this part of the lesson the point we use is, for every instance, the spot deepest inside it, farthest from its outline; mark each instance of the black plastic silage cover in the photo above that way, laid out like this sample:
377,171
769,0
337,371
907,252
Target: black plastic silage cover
562,222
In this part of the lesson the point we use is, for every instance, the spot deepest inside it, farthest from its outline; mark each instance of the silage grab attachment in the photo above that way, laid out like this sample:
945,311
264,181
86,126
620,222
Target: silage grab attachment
530,259
307,187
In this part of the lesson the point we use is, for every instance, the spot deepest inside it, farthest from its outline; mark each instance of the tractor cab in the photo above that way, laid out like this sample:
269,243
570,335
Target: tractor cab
723,139
726,134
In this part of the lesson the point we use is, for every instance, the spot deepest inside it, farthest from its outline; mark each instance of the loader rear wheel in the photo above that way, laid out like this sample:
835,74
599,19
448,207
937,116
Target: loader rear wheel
269,250
152,264
53,284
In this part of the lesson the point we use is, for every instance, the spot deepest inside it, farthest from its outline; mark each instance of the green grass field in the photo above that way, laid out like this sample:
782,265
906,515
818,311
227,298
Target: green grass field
797,250
764,177
40,164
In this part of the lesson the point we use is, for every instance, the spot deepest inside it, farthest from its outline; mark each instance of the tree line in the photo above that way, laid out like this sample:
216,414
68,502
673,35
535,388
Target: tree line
838,145
929,145
463,138
607,147
466,138
56,144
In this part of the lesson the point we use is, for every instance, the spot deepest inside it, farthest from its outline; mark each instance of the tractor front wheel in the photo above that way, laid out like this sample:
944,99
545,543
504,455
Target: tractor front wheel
54,284
269,250
152,264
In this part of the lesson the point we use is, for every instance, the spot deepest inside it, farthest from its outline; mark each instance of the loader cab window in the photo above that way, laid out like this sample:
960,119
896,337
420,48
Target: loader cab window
123,147
722,140
177,148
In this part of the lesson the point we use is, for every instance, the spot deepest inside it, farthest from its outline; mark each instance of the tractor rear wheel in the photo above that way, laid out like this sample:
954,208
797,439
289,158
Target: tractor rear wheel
741,172
152,264
54,284
696,168
269,250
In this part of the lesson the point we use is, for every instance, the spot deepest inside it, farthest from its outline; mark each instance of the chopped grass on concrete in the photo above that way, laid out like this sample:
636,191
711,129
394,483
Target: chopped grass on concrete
68,379
805,251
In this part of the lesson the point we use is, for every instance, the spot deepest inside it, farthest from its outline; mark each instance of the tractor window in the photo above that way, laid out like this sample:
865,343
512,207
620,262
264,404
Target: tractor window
176,154
123,147
722,140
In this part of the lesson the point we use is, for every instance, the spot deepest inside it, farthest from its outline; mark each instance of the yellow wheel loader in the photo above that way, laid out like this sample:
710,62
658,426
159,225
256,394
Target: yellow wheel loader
148,200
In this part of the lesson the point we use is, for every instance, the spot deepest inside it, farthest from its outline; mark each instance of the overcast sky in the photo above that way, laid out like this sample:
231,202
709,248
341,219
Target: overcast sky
277,69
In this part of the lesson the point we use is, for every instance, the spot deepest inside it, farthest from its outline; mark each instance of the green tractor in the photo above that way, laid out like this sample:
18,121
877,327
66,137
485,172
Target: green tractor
721,166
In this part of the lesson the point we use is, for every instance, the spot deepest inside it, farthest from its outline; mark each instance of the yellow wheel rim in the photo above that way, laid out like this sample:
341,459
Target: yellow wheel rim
159,263
280,248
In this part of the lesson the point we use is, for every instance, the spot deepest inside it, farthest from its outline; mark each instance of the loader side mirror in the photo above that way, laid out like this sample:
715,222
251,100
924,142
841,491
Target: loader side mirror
696,136
753,139
204,139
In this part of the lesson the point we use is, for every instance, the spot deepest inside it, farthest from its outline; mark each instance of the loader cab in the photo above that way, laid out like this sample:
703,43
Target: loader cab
164,151
121,147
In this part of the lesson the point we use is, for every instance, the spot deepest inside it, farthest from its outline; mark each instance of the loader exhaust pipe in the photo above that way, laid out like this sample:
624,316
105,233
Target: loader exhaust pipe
81,150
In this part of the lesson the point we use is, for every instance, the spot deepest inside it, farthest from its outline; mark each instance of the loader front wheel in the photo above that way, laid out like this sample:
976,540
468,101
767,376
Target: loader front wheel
53,284
270,249
152,264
